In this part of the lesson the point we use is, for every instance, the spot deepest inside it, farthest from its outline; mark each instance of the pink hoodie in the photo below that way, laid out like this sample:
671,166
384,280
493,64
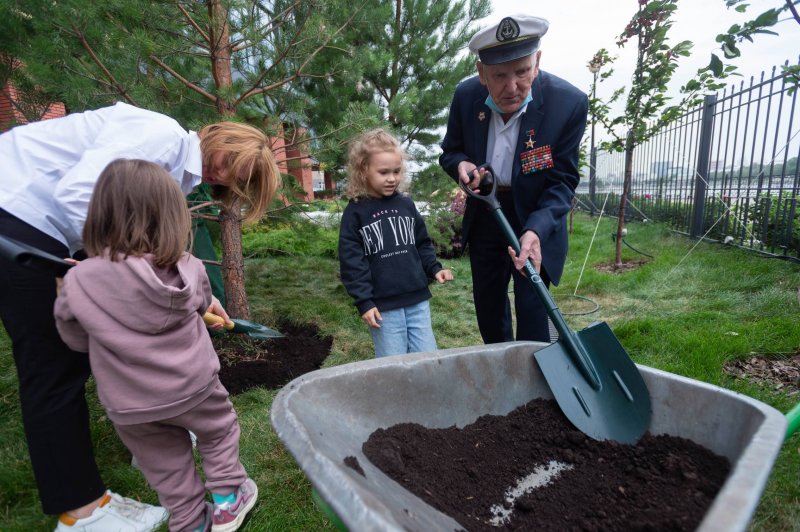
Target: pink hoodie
150,352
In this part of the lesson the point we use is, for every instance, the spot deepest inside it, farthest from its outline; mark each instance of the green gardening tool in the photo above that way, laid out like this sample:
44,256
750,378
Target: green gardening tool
48,263
250,328
793,418
594,381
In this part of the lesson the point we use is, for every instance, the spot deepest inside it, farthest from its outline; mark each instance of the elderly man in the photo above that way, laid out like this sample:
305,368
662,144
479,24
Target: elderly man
528,125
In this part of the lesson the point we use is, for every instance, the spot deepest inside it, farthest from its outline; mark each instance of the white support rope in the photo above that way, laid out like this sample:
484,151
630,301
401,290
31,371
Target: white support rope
591,242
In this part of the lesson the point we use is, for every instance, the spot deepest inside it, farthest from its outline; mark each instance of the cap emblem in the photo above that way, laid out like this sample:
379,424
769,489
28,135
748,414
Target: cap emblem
507,30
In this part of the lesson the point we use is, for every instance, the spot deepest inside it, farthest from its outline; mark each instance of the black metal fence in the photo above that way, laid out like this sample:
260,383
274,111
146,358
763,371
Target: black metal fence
727,170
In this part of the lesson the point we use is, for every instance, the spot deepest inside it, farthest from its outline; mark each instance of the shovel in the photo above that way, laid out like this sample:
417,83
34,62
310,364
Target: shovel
250,328
32,257
48,263
594,381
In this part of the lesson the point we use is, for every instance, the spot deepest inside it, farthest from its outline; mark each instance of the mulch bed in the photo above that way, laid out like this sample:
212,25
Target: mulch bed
247,362
626,266
661,483
779,373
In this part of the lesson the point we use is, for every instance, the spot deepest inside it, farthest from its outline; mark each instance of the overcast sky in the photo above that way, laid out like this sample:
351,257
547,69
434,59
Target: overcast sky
578,28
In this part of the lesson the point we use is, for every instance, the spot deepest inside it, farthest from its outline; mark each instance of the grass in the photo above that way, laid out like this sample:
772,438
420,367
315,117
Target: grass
688,310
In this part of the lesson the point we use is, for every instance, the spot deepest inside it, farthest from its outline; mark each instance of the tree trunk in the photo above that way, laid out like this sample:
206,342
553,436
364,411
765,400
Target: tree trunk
623,201
220,51
230,219
230,222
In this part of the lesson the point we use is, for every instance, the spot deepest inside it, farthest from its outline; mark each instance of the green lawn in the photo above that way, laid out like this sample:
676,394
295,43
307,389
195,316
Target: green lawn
687,311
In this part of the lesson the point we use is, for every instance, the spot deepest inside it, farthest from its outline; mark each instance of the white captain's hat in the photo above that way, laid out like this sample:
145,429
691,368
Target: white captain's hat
513,37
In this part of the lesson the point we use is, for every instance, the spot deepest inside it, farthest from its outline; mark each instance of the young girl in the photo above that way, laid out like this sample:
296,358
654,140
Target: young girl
136,305
385,255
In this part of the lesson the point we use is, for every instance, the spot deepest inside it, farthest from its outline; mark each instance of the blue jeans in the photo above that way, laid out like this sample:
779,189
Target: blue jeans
404,330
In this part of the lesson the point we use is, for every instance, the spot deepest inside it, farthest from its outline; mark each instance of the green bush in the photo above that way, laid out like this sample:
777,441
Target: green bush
771,219
297,239
443,222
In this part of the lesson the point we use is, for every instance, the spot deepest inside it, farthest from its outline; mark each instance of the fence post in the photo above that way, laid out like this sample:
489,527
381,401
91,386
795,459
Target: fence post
703,162
592,178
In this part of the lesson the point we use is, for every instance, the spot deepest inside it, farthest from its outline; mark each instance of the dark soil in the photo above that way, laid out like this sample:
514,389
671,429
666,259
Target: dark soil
626,266
661,483
247,362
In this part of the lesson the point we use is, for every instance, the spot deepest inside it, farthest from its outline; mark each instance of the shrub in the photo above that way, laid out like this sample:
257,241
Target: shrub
777,220
443,222
297,239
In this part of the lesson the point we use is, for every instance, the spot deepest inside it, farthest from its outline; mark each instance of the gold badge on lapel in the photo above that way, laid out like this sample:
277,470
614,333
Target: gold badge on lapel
535,159
481,116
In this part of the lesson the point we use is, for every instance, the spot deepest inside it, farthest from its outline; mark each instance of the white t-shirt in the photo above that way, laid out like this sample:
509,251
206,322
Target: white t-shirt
48,169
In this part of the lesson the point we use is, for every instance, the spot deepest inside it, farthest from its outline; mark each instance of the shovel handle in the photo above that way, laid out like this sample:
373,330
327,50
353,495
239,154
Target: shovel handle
212,319
564,333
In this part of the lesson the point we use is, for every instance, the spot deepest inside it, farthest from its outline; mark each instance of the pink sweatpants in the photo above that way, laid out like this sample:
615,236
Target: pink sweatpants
163,450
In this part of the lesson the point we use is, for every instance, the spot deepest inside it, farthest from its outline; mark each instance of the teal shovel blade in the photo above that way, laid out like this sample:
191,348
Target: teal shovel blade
255,330
596,384
619,408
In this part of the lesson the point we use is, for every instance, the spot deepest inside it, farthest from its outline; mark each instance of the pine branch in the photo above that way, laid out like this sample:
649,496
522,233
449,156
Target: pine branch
193,23
298,73
204,205
113,81
186,82
271,27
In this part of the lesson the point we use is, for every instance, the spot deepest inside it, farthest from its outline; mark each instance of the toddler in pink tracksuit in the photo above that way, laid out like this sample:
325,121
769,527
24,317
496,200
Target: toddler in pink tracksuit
136,305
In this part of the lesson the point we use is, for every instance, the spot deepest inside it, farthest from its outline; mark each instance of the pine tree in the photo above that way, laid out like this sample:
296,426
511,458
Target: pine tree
407,56
198,62
310,71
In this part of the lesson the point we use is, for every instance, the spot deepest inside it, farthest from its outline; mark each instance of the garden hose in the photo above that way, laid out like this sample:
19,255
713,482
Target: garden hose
584,313
614,238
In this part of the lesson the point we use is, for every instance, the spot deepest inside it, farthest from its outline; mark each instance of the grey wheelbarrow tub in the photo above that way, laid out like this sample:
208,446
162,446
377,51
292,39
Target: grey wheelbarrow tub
325,416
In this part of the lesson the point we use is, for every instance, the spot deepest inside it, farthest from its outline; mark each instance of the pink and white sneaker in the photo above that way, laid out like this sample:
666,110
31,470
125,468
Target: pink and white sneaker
230,516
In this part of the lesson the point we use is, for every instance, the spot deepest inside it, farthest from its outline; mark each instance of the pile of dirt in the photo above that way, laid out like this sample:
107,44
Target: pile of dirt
532,470
248,363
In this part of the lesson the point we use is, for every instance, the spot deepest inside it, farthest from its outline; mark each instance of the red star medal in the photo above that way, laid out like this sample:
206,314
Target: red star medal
530,142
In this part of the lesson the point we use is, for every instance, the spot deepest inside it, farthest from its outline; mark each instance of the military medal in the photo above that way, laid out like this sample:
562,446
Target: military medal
529,144
535,159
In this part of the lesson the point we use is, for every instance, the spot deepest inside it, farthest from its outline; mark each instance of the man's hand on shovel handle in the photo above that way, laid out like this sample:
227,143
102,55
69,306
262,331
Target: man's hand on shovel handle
530,249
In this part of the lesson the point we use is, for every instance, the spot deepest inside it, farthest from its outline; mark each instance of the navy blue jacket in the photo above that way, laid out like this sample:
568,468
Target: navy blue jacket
542,199
386,257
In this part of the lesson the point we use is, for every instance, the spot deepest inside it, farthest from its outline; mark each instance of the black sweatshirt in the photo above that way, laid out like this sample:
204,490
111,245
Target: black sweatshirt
385,254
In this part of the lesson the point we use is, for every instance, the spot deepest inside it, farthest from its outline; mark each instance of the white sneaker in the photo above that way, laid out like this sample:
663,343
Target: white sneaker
118,514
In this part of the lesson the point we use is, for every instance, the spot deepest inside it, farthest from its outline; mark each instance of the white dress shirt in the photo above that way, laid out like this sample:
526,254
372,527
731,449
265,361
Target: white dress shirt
501,144
48,169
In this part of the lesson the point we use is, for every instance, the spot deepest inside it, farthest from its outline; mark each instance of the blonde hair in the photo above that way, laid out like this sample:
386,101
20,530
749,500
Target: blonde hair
137,208
370,142
254,175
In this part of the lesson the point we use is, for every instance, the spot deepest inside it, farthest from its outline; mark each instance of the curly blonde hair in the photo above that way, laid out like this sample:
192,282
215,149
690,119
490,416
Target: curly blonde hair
370,142
249,158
